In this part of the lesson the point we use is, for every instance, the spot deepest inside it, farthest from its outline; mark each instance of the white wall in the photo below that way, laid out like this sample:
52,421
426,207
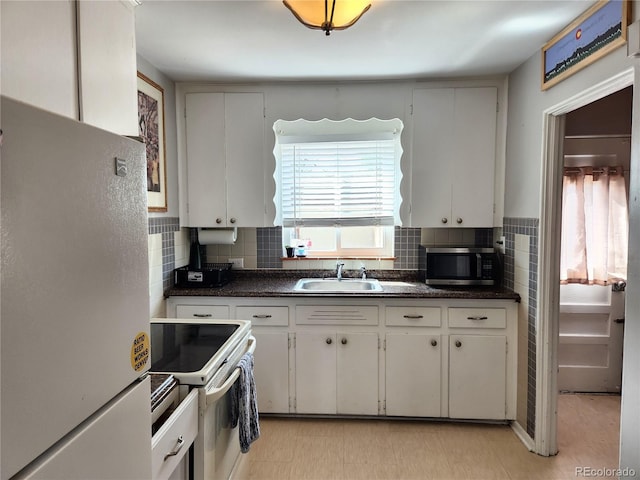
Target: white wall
336,101
524,129
522,199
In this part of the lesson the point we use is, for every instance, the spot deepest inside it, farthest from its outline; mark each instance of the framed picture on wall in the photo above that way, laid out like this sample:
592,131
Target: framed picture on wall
594,34
151,129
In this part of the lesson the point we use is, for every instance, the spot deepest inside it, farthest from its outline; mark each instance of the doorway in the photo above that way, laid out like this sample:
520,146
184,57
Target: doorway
548,331
596,165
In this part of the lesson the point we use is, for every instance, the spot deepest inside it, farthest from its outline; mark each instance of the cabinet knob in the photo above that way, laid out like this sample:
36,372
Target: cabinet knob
458,343
445,219
232,220
218,220
434,342
329,341
343,341
458,220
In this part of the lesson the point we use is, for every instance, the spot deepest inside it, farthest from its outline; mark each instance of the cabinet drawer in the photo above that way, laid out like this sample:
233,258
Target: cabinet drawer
275,316
336,315
477,318
183,423
413,316
203,311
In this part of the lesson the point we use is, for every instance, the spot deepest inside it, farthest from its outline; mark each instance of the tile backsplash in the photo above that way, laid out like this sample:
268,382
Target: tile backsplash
262,248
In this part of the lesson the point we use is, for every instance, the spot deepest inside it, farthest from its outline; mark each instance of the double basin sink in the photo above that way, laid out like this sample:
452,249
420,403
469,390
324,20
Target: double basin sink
337,285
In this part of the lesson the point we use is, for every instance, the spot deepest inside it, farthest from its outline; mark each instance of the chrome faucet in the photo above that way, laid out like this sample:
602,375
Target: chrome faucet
363,272
339,272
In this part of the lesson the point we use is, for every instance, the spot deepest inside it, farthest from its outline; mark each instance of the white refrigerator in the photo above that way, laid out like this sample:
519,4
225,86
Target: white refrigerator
74,305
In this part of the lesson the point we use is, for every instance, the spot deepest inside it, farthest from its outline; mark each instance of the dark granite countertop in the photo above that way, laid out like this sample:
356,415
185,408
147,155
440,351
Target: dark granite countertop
395,284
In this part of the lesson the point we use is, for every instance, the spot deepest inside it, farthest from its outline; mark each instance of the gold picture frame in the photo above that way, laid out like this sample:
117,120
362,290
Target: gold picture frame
591,36
152,132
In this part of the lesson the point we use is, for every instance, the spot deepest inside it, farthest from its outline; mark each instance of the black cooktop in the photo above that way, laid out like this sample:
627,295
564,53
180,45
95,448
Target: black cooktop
186,347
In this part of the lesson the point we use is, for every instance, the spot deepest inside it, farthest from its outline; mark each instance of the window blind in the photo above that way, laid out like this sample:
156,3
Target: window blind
345,183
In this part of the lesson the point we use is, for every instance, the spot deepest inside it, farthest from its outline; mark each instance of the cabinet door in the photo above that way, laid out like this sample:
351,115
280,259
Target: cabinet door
431,169
272,371
474,156
204,124
107,101
357,377
316,373
477,376
244,139
453,158
413,363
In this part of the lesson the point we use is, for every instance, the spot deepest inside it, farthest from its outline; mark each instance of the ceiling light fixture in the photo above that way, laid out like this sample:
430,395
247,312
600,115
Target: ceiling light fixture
327,15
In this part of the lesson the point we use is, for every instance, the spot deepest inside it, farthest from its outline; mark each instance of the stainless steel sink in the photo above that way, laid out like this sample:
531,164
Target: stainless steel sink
334,285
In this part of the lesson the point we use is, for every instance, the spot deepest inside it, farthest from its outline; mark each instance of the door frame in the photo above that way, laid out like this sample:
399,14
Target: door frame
549,256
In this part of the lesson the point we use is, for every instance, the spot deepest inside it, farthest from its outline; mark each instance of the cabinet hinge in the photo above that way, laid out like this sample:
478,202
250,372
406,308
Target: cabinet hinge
497,107
384,345
384,407
289,343
264,112
411,109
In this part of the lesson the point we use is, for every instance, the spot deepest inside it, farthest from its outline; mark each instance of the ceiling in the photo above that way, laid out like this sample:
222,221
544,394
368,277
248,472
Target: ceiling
250,41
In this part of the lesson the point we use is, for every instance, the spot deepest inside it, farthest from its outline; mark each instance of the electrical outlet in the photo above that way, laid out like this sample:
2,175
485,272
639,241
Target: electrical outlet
501,245
237,262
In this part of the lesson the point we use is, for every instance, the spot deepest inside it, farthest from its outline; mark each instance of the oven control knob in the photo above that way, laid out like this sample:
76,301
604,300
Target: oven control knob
329,341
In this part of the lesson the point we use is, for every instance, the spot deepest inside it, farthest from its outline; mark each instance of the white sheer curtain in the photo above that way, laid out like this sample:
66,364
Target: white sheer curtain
594,226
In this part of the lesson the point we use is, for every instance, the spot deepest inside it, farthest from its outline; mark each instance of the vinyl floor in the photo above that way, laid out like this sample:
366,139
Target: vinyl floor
293,448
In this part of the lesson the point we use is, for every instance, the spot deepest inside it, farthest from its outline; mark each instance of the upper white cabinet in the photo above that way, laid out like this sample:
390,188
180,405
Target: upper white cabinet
77,59
107,67
224,160
454,154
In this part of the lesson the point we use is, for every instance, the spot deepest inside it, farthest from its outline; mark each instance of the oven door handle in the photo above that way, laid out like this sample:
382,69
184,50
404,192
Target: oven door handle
216,393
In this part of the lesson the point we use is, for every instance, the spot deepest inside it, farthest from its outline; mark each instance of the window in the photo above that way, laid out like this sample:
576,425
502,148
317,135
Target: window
594,226
338,185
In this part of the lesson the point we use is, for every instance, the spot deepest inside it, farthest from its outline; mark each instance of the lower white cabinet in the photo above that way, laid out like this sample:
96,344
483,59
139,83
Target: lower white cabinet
271,371
413,374
451,358
477,376
337,373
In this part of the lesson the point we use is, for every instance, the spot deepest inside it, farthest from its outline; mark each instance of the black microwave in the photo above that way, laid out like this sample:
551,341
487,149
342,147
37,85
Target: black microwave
459,266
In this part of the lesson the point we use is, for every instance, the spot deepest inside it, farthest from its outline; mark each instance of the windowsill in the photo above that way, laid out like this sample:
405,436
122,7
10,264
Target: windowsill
363,257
